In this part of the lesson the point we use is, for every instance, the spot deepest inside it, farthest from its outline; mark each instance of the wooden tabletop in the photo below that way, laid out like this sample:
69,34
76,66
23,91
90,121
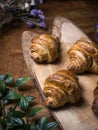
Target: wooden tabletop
83,13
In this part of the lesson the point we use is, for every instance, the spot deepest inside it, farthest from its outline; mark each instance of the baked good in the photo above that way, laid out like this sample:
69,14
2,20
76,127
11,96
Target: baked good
95,101
83,57
44,48
60,88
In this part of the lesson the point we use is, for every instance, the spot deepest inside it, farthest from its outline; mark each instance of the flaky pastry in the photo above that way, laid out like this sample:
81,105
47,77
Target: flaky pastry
83,57
60,88
44,48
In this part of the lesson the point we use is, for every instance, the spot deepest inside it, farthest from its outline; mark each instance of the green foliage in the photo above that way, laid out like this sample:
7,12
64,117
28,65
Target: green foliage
13,95
43,125
7,78
24,104
2,86
18,116
15,113
34,111
30,98
21,81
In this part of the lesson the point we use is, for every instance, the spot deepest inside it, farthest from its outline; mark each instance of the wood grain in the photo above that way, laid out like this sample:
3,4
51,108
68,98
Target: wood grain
71,117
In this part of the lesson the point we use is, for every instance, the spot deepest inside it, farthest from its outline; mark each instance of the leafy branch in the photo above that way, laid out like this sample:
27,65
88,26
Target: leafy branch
15,108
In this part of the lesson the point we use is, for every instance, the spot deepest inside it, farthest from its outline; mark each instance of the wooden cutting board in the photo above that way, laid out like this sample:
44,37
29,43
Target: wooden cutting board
71,117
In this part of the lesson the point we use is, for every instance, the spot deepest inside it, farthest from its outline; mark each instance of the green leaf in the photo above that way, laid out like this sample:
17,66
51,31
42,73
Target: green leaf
24,104
37,128
4,93
51,125
13,95
30,98
34,111
1,111
9,79
13,121
6,101
18,114
3,123
2,85
34,126
17,121
42,123
2,76
1,95
22,81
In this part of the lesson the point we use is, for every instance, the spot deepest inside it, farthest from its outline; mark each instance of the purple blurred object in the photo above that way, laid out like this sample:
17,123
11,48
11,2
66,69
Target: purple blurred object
15,9
42,16
33,12
96,32
41,1
31,24
43,24
37,12
40,12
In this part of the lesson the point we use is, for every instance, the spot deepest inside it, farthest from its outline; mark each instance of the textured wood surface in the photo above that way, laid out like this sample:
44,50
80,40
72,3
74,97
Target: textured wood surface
80,117
83,13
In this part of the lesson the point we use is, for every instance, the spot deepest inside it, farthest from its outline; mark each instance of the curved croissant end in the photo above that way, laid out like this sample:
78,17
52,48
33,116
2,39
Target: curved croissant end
83,57
44,47
61,88
94,67
54,96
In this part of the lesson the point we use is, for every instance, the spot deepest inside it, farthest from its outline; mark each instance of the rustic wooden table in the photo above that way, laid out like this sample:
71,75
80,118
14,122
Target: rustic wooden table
83,13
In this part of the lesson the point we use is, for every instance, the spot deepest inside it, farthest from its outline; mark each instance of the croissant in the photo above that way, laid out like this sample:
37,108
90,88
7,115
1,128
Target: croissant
83,57
60,88
44,48
95,101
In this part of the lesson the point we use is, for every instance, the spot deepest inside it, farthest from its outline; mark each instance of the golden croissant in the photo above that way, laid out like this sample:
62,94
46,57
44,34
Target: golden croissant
83,57
60,88
44,48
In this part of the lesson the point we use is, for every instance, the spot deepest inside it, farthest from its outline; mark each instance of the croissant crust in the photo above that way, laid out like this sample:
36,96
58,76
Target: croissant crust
95,101
83,57
60,88
44,48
